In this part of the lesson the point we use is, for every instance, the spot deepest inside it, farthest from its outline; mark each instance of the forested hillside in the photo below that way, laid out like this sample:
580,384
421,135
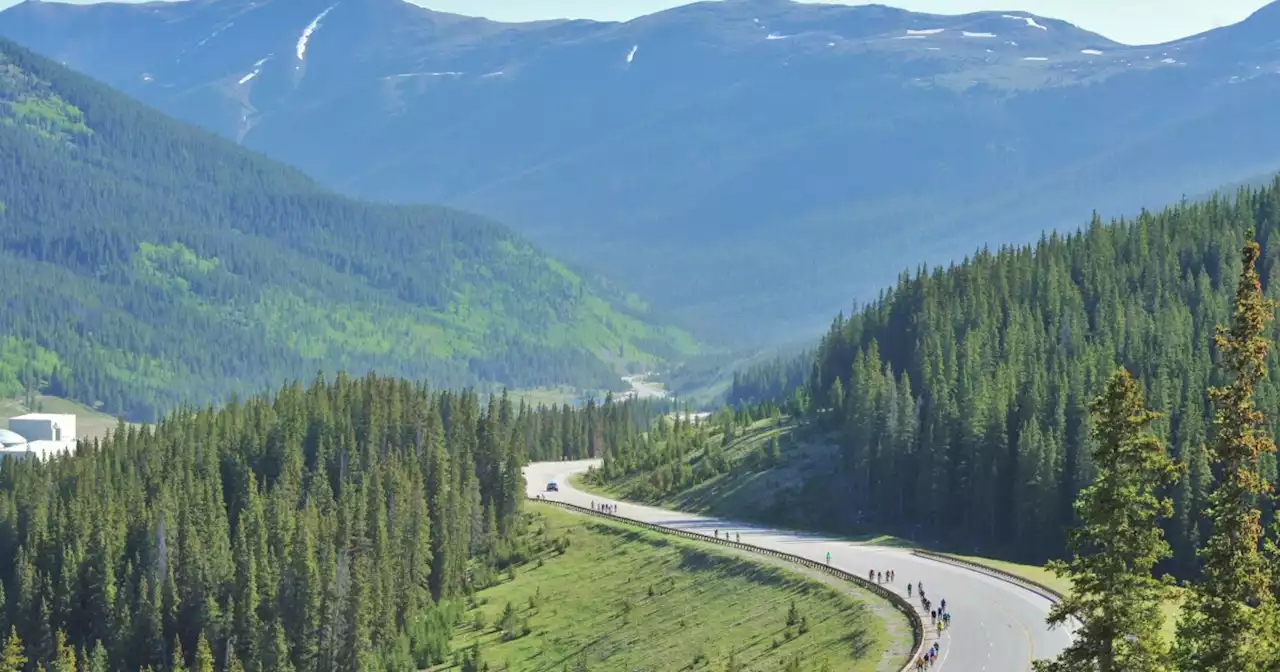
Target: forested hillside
147,262
749,165
332,527
955,406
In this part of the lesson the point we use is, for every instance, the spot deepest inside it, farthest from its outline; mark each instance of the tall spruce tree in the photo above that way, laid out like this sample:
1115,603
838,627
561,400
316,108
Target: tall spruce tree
12,656
1225,615
1117,542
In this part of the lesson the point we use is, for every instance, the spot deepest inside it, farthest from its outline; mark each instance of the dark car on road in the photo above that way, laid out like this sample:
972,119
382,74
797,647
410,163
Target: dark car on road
552,487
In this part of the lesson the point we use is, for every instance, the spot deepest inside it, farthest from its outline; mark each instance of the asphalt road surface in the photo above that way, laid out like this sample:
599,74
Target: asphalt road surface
996,626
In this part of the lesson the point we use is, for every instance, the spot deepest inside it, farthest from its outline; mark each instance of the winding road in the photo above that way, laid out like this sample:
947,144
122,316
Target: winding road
996,626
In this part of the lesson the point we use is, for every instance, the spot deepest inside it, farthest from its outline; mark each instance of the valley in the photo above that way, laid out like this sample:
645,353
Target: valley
750,167
346,335
276,276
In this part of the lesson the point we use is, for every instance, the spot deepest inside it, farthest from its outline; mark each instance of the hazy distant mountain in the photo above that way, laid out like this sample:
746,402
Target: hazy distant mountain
155,264
747,162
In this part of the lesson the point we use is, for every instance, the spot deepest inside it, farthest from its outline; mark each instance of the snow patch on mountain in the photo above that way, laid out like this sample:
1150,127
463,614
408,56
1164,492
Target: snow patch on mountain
1031,22
309,30
631,55
927,31
257,69
969,34
403,75
1091,52
216,31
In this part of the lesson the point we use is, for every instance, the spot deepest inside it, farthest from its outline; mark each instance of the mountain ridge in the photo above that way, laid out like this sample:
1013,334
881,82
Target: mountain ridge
804,141
154,264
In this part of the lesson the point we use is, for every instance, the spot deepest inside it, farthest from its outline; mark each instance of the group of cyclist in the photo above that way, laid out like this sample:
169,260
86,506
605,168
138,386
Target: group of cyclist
873,575
928,658
940,617
604,508
737,536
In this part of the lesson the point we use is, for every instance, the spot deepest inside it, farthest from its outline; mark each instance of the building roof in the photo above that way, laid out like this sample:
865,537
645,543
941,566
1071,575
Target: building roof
11,438
44,416
52,446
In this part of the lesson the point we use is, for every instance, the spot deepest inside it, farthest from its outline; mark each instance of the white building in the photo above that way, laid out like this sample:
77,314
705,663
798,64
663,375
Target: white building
45,426
9,439
39,435
13,444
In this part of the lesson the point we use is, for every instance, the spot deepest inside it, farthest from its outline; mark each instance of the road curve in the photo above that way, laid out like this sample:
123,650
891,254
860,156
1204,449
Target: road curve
996,627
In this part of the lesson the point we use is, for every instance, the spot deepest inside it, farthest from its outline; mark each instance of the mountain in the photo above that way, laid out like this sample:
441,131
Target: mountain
749,164
147,262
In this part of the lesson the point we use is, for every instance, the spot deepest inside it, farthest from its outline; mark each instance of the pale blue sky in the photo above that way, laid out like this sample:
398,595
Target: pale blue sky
1128,21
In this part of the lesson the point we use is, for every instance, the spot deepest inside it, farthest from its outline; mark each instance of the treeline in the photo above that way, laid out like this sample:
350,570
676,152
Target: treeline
1229,612
330,527
681,451
959,398
771,380
161,264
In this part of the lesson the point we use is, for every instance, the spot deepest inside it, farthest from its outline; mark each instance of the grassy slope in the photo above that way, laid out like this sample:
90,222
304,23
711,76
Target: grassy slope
744,494
593,608
751,494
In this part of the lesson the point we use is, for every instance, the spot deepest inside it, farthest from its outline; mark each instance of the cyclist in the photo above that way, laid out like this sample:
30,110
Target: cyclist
943,604
909,586
828,557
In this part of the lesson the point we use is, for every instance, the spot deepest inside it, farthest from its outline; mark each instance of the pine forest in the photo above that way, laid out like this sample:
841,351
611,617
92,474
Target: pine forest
332,527
959,400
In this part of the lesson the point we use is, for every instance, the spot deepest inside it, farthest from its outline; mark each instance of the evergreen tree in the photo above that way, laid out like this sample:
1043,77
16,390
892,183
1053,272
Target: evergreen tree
12,657
1227,613
204,656
65,655
177,661
98,659
1117,543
